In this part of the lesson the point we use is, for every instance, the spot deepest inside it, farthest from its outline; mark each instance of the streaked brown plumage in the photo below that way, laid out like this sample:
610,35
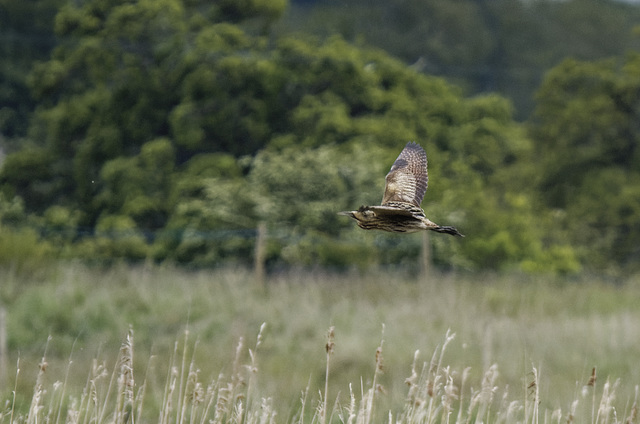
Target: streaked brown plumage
400,211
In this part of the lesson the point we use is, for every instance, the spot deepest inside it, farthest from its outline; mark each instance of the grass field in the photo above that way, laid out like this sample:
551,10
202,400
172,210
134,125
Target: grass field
212,346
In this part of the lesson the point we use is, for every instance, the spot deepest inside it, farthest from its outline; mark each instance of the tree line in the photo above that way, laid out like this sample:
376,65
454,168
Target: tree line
503,46
168,130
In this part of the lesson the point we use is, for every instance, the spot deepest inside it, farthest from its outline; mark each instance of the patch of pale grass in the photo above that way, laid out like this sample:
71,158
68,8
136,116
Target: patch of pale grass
435,393
505,328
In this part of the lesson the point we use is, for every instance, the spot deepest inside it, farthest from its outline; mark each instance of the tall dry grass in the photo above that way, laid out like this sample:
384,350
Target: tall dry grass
519,349
435,393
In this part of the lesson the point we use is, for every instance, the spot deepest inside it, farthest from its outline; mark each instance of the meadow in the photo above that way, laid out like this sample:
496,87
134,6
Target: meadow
159,344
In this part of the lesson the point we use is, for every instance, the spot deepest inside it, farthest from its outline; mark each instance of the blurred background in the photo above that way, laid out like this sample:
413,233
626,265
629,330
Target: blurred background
157,157
170,131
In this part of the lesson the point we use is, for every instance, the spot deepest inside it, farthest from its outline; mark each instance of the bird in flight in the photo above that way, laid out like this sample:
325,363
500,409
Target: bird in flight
400,211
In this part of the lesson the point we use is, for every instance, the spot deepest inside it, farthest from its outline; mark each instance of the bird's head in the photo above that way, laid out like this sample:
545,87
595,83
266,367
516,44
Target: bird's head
362,214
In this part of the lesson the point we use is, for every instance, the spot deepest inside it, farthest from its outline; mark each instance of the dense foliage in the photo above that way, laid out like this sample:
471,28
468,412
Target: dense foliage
498,45
587,131
168,129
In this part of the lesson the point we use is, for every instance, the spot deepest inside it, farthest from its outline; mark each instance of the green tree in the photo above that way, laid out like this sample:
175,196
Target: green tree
167,133
502,46
124,75
139,187
587,135
26,36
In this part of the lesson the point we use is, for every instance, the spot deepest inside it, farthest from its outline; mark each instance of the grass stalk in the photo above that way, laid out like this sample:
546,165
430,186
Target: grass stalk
433,395
38,390
593,379
253,366
14,393
375,387
533,392
455,384
329,349
181,389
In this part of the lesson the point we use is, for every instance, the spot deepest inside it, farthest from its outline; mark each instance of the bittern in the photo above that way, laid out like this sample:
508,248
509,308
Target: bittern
400,211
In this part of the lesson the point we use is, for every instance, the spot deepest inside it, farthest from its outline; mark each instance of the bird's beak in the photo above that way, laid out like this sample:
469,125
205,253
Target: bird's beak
346,213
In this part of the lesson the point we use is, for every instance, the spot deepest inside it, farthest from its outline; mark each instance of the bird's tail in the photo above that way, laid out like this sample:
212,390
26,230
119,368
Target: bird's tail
447,230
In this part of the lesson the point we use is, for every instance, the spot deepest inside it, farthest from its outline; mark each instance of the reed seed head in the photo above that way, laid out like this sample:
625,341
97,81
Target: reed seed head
592,378
330,340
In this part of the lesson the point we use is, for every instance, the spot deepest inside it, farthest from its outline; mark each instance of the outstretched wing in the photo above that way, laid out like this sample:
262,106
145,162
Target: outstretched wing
407,180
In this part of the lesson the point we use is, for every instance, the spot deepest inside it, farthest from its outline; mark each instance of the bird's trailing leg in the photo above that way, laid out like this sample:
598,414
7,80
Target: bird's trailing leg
447,230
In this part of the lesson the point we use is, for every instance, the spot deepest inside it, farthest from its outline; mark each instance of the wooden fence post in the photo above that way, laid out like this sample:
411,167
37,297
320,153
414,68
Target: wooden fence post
3,347
259,255
426,255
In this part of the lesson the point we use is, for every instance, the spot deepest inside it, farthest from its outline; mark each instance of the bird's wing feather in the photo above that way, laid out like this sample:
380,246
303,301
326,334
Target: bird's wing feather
407,180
